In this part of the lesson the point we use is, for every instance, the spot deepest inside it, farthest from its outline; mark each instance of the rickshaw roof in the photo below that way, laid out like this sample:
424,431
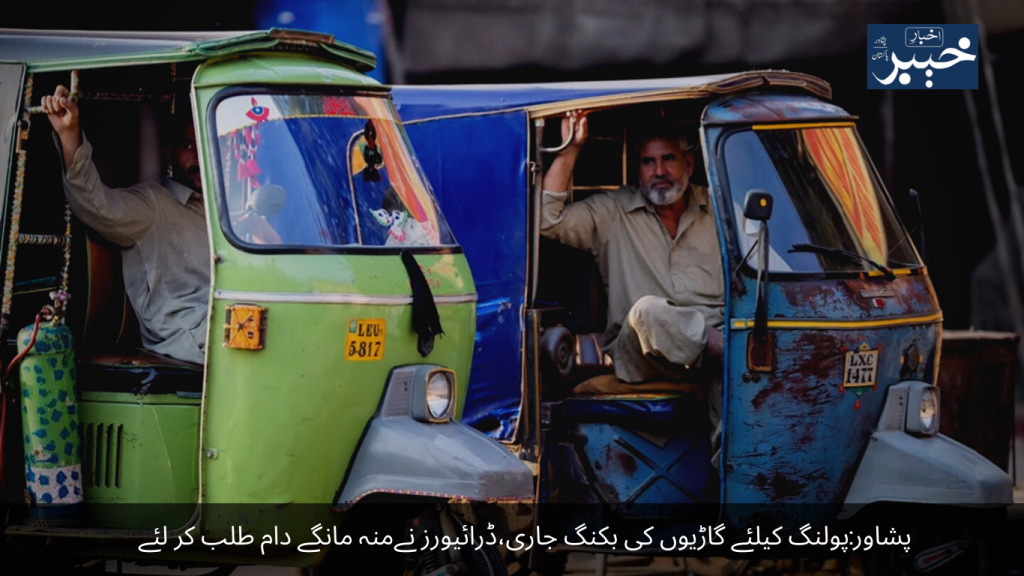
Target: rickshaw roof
47,50
424,102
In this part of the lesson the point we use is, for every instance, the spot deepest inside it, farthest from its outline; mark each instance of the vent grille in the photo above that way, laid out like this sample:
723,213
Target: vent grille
398,401
895,410
101,463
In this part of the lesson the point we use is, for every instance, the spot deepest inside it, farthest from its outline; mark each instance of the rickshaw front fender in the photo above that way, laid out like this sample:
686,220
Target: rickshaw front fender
447,460
899,467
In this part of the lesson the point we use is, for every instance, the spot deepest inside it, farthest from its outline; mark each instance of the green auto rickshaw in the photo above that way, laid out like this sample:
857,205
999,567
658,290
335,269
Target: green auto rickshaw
336,339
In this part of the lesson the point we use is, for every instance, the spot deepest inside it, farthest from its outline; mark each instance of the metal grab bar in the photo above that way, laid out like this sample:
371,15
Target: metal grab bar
564,145
42,240
73,95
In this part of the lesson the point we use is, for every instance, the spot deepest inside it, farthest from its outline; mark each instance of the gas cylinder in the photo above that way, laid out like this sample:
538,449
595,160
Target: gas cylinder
50,424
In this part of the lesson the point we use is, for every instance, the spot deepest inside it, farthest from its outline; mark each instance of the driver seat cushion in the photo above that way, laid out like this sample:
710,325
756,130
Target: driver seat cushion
598,373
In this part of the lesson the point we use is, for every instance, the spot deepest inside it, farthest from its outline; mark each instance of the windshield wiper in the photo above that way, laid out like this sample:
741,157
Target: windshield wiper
841,254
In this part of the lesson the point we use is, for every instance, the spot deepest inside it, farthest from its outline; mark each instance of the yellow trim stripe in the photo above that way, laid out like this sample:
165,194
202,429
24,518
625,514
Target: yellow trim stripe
895,271
843,324
805,125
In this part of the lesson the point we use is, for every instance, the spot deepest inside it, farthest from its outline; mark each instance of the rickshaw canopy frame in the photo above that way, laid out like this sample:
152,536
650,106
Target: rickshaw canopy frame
79,49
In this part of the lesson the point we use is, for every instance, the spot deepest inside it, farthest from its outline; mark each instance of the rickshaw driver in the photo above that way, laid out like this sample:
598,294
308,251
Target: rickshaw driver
161,229
657,248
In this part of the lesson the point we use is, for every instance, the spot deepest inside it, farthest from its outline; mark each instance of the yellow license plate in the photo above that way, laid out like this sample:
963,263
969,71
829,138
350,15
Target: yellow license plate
365,339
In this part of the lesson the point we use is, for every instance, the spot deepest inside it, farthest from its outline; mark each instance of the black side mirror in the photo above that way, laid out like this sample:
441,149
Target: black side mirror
757,205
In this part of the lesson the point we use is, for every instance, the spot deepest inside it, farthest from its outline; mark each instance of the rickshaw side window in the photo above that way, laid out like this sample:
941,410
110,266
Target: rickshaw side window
308,170
825,194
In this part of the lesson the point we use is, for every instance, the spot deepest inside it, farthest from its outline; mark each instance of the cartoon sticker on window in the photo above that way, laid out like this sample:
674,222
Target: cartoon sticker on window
402,230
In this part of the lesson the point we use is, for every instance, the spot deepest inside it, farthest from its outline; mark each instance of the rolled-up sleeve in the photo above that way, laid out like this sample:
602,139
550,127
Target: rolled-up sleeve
122,215
578,224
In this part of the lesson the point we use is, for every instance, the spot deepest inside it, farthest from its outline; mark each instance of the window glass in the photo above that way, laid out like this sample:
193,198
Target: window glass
319,171
824,194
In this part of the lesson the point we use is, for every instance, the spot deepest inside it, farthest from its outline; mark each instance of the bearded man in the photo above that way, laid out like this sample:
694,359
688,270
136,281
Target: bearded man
657,248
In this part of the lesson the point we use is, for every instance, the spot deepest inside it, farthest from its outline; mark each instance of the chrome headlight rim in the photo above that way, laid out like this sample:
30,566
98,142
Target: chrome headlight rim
923,410
445,415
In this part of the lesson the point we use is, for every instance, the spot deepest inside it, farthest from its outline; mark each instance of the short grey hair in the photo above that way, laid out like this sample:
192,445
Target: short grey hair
663,133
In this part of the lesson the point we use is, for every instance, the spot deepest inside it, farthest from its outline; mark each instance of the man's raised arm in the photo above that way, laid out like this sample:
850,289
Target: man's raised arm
578,224
120,215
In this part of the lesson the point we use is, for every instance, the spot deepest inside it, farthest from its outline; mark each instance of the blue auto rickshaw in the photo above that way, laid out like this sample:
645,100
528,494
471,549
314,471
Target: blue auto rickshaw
832,326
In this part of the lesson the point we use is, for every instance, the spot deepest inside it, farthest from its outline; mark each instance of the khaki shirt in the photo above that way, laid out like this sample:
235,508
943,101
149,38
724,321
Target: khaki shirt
635,254
165,252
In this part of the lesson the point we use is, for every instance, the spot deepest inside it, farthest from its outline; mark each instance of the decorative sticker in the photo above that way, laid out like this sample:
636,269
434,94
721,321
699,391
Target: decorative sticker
258,113
334,106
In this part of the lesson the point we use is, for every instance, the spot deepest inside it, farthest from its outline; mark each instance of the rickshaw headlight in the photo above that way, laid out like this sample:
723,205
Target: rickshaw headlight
923,410
929,409
433,394
440,388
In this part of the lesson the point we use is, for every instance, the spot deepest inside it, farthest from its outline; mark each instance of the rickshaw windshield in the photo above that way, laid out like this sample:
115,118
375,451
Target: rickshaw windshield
825,195
308,170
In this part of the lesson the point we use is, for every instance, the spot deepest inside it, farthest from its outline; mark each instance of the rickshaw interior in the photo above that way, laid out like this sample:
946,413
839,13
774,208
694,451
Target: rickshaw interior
612,446
568,278
131,400
121,115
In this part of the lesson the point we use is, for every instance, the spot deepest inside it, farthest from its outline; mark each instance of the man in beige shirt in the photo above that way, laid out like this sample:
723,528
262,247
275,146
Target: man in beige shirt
657,248
160,227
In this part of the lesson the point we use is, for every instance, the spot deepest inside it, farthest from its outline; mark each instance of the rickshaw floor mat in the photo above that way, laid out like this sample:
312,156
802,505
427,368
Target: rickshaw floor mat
139,372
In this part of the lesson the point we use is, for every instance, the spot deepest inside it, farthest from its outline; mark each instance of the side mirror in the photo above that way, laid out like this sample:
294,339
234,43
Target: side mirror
920,224
757,205
268,200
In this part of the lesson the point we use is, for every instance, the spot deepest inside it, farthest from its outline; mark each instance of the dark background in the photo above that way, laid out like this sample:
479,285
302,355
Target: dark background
930,148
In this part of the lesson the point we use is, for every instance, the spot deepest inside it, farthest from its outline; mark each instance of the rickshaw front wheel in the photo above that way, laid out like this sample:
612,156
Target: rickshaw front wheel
486,562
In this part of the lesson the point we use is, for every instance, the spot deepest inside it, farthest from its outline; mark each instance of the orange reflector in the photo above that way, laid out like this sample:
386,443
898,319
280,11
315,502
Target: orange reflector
245,326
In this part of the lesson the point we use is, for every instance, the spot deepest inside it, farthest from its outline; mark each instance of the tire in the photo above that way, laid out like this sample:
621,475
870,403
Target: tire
487,561
547,563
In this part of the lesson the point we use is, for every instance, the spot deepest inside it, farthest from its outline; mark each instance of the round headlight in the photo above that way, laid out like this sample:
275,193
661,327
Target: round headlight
439,394
929,408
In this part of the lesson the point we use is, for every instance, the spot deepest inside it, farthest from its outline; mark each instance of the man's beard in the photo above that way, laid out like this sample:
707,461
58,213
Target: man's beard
664,197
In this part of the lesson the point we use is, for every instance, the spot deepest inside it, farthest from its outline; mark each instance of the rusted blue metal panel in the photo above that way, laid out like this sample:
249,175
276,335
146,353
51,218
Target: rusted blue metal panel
794,436
635,451
842,298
